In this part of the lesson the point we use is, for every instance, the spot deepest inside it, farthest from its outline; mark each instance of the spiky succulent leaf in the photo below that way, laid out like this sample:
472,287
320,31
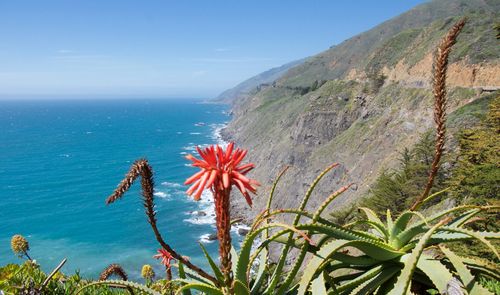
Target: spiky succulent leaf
207,289
376,282
260,275
318,286
400,225
119,284
435,270
217,272
276,277
360,279
473,287
483,266
463,218
240,288
182,275
480,236
316,262
404,279
243,259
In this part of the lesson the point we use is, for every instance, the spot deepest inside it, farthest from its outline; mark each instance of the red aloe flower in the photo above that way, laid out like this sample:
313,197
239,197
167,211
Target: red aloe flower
220,170
165,257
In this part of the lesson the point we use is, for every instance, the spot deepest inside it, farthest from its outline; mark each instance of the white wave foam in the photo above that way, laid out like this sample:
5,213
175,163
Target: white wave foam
205,239
194,133
162,195
206,210
171,184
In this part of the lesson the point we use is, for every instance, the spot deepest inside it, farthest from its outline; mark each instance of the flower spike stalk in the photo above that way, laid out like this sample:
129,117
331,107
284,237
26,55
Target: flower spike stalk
219,171
142,168
439,91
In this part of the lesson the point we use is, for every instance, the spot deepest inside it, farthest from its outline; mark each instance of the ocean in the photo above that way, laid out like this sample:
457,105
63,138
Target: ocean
60,159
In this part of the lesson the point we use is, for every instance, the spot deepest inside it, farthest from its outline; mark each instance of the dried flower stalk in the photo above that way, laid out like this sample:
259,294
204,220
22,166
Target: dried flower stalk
113,269
141,167
439,90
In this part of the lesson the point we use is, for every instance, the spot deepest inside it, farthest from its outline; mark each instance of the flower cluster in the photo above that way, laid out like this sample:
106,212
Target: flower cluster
147,272
220,170
165,257
19,245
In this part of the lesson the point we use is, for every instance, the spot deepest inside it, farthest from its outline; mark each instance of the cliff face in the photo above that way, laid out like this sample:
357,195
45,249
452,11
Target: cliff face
361,102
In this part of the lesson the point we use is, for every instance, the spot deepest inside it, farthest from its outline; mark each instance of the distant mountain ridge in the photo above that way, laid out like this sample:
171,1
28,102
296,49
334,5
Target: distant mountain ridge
361,102
245,87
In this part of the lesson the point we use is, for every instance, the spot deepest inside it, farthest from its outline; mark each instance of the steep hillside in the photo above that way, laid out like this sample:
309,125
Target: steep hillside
361,102
244,89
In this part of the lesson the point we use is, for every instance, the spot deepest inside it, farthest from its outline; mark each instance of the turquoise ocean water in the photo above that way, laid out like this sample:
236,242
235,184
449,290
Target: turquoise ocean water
59,160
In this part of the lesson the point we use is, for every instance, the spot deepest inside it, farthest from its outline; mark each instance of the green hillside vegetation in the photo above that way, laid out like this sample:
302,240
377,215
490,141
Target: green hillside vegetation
410,36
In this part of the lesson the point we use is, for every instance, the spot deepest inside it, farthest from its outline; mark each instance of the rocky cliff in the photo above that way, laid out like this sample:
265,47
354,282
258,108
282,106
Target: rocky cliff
361,102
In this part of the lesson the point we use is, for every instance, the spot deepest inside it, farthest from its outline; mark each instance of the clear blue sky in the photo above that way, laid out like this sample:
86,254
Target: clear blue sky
167,48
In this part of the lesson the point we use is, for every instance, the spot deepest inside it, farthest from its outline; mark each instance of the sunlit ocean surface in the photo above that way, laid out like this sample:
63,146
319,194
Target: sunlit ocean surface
59,160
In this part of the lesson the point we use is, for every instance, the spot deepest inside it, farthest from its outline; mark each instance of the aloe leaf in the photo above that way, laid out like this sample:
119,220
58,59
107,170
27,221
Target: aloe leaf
373,248
373,284
420,227
472,285
270,200
402,221
372,216
218,274
337,232
436,271
355,260
318,286
244,256
404,279
182,275
234,259
482,265
240,288
273,188
260,276
305,247
443,213
119,284
379,229
194,275
459,221
429,198
480,236
315,263
328,200
389,221
206,289
399,226
284,252
360,279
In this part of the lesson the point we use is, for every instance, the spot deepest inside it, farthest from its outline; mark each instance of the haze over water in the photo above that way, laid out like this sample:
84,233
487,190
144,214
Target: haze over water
59,160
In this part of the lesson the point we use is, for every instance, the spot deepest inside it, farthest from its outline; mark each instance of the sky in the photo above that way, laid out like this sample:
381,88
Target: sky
160,48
